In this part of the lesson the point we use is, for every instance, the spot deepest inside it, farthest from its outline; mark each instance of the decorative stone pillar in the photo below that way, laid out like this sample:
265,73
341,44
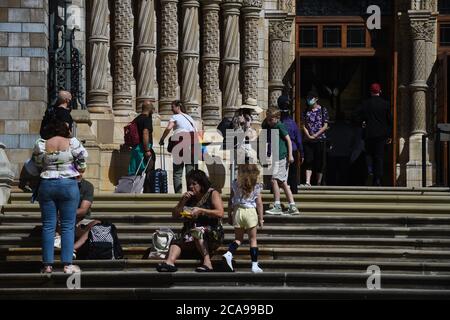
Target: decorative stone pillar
147,53
231,57
404,111
277,32
99,49
420,31
211,113
190,57
251,10
169,54
123,58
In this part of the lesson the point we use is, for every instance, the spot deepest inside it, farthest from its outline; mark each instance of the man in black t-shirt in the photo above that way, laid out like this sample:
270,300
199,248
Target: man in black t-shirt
144,148
60,112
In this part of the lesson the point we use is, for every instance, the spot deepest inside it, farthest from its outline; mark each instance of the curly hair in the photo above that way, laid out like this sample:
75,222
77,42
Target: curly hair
201,178
247,178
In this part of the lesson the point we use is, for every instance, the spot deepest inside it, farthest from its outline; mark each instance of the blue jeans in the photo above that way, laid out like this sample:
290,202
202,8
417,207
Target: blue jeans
58,196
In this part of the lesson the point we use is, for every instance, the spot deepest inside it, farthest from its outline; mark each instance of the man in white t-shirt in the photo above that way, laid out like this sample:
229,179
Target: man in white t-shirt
181,123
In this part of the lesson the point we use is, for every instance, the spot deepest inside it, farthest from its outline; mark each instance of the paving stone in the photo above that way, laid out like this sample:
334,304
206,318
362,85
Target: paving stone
37,79
19,39
9,110
19,93
32,3
10,140
16,127
18,15
19,64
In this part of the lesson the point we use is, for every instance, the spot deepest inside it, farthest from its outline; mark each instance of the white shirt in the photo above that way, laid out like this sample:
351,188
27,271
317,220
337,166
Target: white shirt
182,123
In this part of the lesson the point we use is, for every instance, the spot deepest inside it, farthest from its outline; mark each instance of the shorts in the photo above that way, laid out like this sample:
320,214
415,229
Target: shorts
280,170
245,218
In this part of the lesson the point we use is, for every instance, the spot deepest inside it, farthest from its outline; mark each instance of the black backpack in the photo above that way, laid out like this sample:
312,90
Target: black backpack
103,243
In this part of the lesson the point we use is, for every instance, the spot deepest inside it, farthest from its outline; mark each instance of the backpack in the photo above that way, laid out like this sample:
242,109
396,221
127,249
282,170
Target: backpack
161,239
103,243
131,134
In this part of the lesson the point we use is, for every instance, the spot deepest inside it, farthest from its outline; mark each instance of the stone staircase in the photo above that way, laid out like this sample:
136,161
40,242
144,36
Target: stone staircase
323,253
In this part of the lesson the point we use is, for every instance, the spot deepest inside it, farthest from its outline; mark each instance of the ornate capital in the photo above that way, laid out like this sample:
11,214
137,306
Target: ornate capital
279,30
422,30
252,3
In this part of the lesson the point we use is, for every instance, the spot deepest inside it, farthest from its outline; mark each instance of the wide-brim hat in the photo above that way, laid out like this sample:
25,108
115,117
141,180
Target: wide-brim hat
251,104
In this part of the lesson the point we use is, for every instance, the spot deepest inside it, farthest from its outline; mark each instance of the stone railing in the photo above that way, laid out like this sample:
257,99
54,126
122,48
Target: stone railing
6,176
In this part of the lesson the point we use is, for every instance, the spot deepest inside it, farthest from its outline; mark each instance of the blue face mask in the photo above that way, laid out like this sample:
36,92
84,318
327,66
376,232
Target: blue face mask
312,101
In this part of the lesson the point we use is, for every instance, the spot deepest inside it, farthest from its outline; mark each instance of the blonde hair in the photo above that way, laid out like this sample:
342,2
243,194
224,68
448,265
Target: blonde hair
247,178
273,113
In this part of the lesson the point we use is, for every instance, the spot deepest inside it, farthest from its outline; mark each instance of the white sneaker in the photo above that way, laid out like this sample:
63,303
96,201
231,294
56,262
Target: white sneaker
276,210
228,257
57,243
71,268
256,268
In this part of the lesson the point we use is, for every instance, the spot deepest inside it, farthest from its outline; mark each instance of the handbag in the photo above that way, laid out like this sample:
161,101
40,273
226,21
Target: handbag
133,184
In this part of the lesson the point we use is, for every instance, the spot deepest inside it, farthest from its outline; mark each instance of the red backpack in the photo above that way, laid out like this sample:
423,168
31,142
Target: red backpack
131,134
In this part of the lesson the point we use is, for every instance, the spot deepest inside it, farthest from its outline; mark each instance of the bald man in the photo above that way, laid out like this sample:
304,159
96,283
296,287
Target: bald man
144,148
60,112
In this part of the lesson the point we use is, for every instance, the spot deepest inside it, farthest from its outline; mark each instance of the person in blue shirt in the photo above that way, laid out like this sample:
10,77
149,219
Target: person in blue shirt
297,145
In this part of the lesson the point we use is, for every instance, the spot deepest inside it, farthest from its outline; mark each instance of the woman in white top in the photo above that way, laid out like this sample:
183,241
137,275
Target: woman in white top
60,159
184,129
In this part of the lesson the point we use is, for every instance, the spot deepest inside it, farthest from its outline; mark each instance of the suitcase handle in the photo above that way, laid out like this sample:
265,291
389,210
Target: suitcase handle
162,157
140,164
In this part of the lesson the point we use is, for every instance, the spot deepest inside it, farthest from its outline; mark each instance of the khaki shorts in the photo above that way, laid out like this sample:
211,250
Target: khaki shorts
245,218
280,170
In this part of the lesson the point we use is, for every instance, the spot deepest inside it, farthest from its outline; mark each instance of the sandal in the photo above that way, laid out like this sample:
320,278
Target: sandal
164,267
203,268
47,269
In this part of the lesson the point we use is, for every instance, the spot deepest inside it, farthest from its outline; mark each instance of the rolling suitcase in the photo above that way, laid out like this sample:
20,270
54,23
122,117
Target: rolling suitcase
159,176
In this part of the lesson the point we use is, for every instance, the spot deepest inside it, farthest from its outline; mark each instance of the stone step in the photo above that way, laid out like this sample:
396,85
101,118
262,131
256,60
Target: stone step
221,293
322,219
242,264
153,279
270,240
307,197
268,252
306,208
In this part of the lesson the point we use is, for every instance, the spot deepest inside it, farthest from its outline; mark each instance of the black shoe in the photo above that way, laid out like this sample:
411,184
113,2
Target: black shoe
164,267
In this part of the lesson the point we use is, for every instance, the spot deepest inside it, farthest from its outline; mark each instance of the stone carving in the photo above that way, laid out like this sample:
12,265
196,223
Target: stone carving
99,49
190,56
169,56
147,55
277,32
253,3
422,30
286,5
211,114
250,65
123,42
231,57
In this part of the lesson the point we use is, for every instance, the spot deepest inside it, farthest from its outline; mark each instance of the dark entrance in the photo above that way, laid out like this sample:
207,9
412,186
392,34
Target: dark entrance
342,84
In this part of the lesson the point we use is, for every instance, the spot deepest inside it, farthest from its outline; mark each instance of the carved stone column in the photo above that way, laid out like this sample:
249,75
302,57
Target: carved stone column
190,57
147,53
169,54
277,32
404,109
211,113
123,43
231,57
420,32
251,10
99,48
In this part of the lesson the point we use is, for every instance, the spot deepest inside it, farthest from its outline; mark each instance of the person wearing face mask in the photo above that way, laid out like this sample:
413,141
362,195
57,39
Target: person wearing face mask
60,112
314,124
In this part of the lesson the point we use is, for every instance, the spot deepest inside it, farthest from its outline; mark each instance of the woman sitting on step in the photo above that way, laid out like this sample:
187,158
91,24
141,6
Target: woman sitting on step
201,209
